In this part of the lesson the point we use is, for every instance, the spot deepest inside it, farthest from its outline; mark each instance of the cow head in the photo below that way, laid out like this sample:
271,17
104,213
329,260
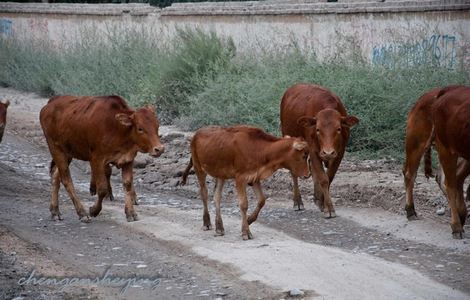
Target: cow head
297,156
144,130
3,117
330,131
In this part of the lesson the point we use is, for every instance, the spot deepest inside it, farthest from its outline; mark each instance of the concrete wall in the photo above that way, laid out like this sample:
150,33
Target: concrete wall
419,31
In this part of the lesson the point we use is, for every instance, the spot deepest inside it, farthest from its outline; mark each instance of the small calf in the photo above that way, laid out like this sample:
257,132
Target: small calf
248,155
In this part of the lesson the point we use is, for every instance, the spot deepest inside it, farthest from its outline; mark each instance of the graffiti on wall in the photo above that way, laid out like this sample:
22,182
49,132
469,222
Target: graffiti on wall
6,27
436,50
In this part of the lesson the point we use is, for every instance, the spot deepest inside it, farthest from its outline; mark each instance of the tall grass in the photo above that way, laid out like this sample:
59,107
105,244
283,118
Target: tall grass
196,79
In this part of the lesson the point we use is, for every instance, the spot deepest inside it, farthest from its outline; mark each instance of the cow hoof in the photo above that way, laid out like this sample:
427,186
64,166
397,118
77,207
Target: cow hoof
457,235
85,219
132,218
219,232
56,217
412,217
329,215
207,227
111,197
299,206
247,236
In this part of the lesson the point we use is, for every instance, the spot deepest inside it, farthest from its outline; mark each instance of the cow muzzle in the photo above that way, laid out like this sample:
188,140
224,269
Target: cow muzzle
328,154
157,151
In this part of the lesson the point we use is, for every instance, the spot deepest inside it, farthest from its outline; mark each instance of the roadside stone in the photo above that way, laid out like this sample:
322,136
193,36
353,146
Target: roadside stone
296,292
440,211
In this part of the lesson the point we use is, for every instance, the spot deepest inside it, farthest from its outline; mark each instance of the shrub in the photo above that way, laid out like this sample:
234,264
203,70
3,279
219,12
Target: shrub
196,79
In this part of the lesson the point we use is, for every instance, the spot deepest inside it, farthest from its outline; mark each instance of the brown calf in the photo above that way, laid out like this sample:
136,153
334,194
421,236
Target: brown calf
316,114
101,130
3,117
246,154
418,142
451,120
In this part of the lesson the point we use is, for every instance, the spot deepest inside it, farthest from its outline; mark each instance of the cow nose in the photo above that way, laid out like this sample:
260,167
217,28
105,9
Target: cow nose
157,151
328,154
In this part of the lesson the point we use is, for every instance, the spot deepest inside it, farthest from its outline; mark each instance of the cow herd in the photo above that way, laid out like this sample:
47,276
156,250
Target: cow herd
315,131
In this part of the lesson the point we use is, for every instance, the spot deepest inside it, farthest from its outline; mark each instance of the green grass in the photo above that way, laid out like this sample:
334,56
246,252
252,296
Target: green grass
198,79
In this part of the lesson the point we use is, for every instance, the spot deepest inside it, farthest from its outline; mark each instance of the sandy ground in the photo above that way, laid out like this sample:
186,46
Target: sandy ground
370,251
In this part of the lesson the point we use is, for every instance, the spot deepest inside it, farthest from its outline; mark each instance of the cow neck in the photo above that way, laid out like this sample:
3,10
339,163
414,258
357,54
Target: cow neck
128,150
276,153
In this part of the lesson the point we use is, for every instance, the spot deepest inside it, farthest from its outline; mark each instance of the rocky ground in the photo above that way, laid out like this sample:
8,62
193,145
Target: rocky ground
370,251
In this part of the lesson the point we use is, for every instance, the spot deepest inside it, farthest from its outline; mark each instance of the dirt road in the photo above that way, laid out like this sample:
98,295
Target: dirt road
370,251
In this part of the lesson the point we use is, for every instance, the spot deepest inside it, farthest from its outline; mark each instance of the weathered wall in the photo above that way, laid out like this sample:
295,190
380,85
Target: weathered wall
419,31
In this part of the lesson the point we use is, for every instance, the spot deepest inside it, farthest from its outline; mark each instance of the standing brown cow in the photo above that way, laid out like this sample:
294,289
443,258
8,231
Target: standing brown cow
3,117
247,154
451,120
418,142
102,130
316,114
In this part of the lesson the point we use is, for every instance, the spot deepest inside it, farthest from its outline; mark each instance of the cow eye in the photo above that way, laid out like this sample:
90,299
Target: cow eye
140,130
339,129
318,131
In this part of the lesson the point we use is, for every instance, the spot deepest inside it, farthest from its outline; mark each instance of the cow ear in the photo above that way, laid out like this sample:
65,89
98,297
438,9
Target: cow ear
125,119
307,121
349,121
7,103
300,146
150,107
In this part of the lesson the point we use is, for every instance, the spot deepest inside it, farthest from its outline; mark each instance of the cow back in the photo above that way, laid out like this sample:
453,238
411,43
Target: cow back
225,152
83,124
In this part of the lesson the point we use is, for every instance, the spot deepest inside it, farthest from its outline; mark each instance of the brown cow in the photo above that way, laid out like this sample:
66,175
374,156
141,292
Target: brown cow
3,117
246,154
316,114
102,130
418,143
451,120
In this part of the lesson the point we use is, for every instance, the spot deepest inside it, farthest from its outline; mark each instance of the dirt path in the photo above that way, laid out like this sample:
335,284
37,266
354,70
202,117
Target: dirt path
369,252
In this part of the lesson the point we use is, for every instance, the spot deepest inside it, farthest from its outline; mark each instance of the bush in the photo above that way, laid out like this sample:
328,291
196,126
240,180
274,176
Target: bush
197,80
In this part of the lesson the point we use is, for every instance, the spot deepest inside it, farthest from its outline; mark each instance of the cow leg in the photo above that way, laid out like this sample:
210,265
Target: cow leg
298,204
243,204
92,184
321,180
219,225
467,198
62,163
206,218
55,186
261,202
449,165
318,195
463,171
130,195
410,168
102,189
331,172
108,171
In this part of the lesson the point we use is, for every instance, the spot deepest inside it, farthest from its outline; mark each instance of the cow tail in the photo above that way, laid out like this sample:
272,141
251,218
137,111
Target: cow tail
428,157
184,177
